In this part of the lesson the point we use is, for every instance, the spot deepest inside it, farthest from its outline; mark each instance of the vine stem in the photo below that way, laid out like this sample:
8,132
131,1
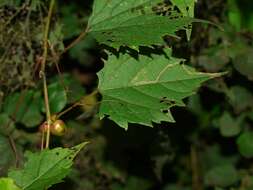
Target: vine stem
42,71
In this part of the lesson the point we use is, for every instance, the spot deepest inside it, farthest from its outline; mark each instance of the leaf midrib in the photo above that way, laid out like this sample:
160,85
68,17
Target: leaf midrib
154,82
40,176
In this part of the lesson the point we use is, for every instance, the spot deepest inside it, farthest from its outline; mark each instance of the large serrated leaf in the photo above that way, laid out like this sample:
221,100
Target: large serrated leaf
142,91
133,23
46,168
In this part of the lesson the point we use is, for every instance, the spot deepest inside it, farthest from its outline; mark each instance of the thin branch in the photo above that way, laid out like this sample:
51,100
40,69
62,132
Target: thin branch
68,109
77,40
78,103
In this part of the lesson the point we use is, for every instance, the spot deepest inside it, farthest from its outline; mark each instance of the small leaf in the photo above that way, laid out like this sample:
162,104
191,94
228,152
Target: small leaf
243,62
57,97
214,59
133,183
8,184
245,144
56,37
229,126
35,4
25,106
222,176
10,3
7,156
218,188
145,93
236,94
212,157
234,15
6,124
75,91
32,116
250,115
46,168
175,187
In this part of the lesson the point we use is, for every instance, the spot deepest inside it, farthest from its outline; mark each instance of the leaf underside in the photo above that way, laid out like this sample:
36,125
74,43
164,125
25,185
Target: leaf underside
136,23
143,91
46,168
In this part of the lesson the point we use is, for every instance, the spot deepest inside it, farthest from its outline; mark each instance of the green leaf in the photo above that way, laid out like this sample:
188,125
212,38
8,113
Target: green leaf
175,187
25,106
8,184
75,91
142,91
212,156
32,117
6,124
229,126
244,62
133,183
71,19
35,4
250,115
46,168
245,144
214,59
133,23
218,188
56,37
222,176
238,93
10,2
7,156
80,52
57,97
234,15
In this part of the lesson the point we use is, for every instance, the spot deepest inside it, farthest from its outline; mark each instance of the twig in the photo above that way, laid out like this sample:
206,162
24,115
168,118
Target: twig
77,40
68,109
78,103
